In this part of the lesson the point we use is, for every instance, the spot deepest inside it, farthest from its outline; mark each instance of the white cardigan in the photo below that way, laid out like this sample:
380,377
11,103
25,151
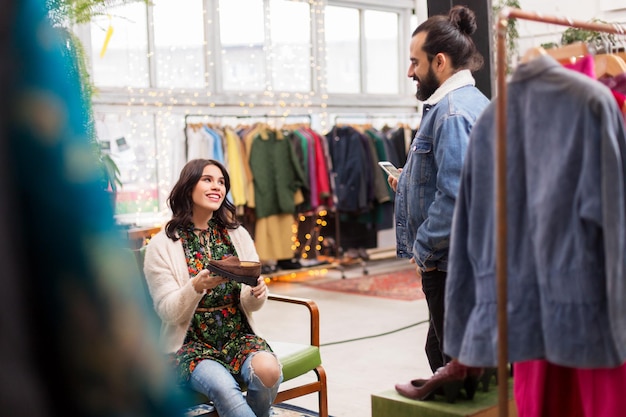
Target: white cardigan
173,296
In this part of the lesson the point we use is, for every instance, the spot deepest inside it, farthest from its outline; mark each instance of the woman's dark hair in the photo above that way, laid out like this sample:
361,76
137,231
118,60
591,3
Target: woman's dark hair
451,35
181,203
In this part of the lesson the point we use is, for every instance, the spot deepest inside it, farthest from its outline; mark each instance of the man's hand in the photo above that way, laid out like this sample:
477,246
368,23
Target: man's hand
393,181
419,271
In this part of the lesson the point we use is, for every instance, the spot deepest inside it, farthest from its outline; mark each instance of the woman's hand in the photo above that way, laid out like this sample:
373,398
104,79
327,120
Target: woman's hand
205,281
261,289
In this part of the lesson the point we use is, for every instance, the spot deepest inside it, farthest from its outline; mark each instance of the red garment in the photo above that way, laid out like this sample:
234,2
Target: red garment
322,176
620,98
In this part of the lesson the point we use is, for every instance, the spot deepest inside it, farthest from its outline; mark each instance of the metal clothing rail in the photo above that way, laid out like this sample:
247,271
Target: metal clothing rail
251,116
376,116
240,116
500,168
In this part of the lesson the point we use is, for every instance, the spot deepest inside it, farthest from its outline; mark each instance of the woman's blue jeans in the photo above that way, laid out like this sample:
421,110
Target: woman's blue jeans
220,386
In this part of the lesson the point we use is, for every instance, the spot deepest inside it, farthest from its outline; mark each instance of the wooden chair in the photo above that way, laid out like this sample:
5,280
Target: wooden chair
297,359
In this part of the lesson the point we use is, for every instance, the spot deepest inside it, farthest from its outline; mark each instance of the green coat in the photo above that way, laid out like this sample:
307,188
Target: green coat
277,174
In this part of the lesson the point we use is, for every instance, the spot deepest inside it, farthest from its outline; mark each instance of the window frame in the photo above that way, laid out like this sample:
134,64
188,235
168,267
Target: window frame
214,95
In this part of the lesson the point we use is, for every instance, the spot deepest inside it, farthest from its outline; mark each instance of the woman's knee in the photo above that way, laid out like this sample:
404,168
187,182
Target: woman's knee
267,368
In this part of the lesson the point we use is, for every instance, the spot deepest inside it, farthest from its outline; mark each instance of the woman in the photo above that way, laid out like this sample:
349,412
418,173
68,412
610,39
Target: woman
207,327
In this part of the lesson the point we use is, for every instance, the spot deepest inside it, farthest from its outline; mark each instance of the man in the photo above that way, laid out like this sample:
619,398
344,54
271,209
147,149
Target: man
443,57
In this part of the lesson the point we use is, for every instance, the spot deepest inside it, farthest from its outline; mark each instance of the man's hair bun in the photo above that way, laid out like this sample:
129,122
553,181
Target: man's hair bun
463,18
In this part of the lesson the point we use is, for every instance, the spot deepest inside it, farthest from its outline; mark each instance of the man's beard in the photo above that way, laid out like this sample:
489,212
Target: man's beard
427,86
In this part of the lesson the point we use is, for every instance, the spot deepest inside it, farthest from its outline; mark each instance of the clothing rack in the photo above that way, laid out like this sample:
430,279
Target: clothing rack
241,116
251,116
501,170
367,117
273,116
377,116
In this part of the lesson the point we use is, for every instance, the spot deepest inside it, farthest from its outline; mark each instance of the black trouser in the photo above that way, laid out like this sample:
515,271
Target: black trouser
433,285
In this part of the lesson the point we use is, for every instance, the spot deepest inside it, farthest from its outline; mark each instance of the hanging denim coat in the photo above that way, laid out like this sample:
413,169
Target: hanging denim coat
566,226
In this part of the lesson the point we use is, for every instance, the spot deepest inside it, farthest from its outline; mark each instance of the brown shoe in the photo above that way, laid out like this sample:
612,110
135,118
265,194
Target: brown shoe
245,272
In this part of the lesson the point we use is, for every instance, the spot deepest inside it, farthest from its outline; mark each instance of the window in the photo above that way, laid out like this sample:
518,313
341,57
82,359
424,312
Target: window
123,61
342,50
179,44
290,33
347,62
262,52
269,48
242,36
381,46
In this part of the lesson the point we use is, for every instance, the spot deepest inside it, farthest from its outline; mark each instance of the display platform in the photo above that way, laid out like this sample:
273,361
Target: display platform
485,404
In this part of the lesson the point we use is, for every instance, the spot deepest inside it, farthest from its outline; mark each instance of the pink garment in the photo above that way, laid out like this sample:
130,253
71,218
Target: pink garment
585,65
543,389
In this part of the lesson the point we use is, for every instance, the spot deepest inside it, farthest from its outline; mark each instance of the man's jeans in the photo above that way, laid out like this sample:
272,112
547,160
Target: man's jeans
216,382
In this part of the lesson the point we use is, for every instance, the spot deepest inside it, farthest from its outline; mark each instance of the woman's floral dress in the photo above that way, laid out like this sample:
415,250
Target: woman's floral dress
222,335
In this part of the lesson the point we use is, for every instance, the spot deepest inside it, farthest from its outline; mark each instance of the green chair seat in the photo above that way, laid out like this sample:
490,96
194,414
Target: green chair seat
297,359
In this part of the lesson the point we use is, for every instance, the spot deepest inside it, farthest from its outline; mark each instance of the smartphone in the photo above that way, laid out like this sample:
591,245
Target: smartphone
389,168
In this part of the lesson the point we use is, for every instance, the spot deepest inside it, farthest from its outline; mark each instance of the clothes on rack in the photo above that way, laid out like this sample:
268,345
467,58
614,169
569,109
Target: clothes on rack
566,202
616,83
312,152
204,141
599,391
279,172
279,186
238,167
587,65
360,185
355,151
398,141
276,173
351,168
279,179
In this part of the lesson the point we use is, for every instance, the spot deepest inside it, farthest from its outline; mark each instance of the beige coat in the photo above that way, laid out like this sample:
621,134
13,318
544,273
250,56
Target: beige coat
173,296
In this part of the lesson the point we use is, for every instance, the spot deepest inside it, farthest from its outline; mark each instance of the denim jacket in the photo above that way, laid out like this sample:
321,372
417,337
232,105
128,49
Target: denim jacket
429,181
566,227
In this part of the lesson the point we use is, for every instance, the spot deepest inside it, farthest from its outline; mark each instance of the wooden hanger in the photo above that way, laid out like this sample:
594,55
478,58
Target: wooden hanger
295,126
564,54
621,55
569,53
609,65
195,126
